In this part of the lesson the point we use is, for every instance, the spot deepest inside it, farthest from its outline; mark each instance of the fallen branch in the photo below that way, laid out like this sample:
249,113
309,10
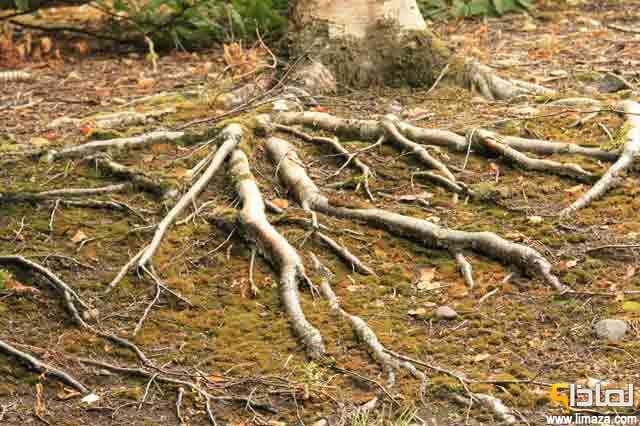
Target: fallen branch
136,177
61,193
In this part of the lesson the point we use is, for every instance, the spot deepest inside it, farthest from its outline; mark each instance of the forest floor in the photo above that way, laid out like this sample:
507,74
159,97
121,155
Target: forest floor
522,335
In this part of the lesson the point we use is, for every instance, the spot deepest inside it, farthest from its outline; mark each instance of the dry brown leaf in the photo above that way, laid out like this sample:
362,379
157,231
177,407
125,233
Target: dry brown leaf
81,47
423,278
46,44
481,357
146,83
180,172
18,288
281,202
79,236
39,141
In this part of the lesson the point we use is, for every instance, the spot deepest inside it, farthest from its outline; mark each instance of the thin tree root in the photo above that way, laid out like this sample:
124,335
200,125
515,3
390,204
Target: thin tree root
455,187
495,144
232,136
351,158
136,177
62,193
345,254
274,247
393,134
364,333
114,144
630,151
489,244
493,87
42,367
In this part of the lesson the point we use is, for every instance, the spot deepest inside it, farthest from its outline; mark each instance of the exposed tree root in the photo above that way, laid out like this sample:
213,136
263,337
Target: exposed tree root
346,255
273,246
127,118
394,134
495,144
136,177
337,146
70,298
61,193
114,144
364,332
372,130
489,244
485,81
630,150
42,367
232,136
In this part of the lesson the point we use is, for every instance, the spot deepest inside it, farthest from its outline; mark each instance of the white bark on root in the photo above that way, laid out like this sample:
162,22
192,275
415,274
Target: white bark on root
137,178
362,330
489,84
486,243
345,254
232,136
115,144
62,193
630,151
339,148
276,248
371,130
495,144
42,367
394,134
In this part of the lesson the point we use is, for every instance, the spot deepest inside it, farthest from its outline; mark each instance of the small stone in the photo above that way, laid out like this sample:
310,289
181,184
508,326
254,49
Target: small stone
445,312
611,329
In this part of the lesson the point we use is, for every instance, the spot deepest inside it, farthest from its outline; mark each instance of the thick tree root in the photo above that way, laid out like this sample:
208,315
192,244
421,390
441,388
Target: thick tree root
489,244
42,367
630,151
364,332
394,134
136,177
232,136
273,246
114,144
484,80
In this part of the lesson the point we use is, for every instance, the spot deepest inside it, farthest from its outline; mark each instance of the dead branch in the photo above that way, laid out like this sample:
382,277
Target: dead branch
274,247
465,269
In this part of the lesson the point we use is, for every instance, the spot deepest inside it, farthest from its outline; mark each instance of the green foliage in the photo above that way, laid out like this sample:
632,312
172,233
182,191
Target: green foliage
466,8
192,23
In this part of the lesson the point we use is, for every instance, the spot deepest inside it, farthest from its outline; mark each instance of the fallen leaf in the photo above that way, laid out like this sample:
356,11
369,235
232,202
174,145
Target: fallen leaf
81,47
79,237
281,203
38,141
18,288
216,378
90,399
147,158
46,44
535,219
631,307
574,189
146,83
481,357
423,278
180,172
571,263
52,136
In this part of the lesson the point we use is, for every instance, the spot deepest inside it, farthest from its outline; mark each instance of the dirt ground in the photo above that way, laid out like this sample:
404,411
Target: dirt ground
518,340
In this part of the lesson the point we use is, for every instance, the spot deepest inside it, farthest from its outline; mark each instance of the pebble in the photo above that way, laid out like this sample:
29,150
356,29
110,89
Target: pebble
445,312
611,329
